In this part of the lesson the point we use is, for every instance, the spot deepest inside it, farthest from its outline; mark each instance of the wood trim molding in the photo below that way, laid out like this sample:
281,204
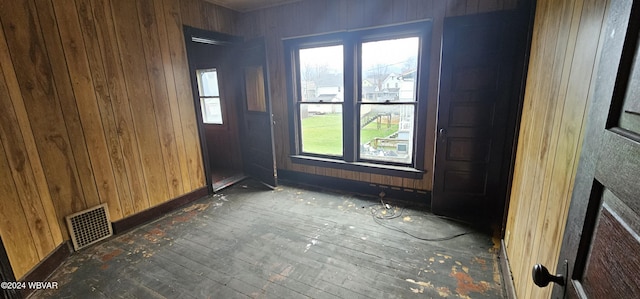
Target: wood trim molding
412,197
147,215
46,267
507,277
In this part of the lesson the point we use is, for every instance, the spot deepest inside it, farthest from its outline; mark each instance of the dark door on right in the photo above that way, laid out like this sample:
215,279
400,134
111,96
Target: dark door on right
481,76
601,244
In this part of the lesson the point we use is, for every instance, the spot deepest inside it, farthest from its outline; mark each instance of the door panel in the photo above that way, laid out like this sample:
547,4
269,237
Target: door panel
257,130
607,270
602,237
480,81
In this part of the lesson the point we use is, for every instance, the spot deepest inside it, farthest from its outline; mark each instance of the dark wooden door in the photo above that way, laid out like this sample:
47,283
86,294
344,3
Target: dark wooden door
601,244
257,120
479,90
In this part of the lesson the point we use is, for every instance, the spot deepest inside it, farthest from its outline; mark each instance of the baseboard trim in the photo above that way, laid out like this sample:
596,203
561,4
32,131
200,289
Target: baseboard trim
506,272
46,267
153,213
412,197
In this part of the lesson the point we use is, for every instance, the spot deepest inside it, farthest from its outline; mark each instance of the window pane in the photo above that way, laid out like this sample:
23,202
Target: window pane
386,132
211,111
208,83
321,129
321,74
389,70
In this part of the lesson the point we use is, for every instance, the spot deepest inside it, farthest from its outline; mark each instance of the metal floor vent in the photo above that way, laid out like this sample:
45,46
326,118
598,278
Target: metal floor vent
89,226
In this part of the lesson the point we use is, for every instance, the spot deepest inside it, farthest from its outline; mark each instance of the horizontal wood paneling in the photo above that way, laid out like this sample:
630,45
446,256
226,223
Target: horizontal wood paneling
304,18
562,65
96,108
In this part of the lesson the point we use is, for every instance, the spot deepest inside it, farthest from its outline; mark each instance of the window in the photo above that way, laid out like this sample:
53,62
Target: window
209,96
356,101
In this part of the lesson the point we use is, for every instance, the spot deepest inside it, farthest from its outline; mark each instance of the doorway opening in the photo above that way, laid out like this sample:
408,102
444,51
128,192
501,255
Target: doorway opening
230,87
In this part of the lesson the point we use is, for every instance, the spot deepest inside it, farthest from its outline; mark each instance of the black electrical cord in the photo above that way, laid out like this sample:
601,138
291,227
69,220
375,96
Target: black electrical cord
378,218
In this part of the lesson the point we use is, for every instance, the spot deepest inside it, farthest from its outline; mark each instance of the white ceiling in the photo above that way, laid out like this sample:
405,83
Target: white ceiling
248,5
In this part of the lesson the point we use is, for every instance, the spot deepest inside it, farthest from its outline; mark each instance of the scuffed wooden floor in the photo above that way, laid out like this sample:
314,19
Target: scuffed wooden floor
291,242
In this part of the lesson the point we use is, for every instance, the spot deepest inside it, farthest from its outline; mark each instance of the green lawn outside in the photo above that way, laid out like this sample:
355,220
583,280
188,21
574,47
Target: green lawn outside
322,134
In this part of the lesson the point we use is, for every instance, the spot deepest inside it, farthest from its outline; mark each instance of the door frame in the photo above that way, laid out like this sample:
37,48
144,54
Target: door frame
527,11
194,35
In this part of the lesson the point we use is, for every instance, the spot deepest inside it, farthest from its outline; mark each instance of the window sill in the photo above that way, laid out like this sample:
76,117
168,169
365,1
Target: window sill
390,170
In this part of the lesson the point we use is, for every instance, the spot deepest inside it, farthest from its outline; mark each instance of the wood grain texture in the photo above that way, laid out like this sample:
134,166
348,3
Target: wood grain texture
119,100
103,101
159,95
23,178
14,224
170,83
561,69
302,18
85,100
64,90
13,93
183,89
612,260
96,107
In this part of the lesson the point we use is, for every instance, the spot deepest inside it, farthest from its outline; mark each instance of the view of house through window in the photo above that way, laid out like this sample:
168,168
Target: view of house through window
322,94
209,96
355,98
388,102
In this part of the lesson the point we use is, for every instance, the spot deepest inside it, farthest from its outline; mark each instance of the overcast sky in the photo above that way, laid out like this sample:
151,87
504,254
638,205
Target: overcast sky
387,52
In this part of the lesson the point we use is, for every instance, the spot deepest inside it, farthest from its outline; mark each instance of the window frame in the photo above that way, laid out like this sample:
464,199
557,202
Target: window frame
202,98
352,73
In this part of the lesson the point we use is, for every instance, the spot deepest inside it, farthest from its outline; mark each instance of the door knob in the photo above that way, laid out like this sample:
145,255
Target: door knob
442,133
542,277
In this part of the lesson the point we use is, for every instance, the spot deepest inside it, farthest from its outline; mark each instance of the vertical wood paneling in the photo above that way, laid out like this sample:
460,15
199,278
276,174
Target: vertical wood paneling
183,89
159,96
103,99
96,107
456,8
86,101
185,179
399,11
562,67
16,237
35,78
120,103
191,11
142,106
540,135
20,168
13,93
73,124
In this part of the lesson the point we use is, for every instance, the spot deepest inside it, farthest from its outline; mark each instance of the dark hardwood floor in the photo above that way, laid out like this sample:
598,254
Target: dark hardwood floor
292,242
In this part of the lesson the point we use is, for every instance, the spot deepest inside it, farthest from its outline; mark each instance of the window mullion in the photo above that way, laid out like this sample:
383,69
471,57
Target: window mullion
349,118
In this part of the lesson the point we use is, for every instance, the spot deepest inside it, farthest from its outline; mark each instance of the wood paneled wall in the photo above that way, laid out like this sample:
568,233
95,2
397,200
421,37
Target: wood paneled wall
95,107
562,66
322,16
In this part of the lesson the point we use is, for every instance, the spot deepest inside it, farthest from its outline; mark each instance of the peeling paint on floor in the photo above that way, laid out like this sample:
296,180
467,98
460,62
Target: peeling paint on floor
109,256
466,284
